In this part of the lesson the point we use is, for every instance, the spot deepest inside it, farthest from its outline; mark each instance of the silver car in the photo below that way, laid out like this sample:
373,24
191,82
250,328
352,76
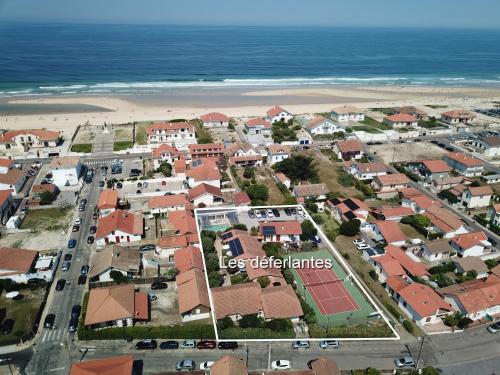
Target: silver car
404,362
325,344
185,365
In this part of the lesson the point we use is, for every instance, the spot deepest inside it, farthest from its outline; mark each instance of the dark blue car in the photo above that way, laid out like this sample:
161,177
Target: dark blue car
71,244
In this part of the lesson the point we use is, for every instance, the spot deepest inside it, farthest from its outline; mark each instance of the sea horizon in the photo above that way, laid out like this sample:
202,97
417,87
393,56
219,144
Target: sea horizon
104,59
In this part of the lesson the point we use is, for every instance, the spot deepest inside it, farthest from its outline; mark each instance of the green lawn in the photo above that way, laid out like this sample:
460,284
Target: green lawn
141,133
368,121
122,145
23,312
47,219
385,111
82,147
367,129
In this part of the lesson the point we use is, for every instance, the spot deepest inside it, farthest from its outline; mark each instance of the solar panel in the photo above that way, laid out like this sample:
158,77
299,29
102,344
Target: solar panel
335,201
350,215
268,231
197,163
349,203
235,247
227,235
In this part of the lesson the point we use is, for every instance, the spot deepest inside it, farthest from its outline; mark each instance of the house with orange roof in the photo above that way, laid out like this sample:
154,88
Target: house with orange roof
122,365
6,208
277,114
476,299
413,268
258,126
206,150
108,200
182,222
175,242
348,209
204,195
495,214
241,198
366,171
347,113
281,178
421,303
457,117
229,364
281,302
29,138
277,153
490,146
392,213
177,134
187,258
477,196
255,272
240,149
464,164
17,264
388,231
470,244
245,161
165,154
445,222
167,203
349,149
203,171
401,120
418,202
386,266
410,110
321,125
119,227
241,245
13,180
5,165
192,293
280,231
430,169
38,190
389,185
214,120
446,183
116,306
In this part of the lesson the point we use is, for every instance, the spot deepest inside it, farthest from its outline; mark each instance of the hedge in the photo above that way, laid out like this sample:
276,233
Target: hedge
360,330
255,333
190,331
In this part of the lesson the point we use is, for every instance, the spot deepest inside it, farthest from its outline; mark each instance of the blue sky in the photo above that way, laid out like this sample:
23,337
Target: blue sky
410,13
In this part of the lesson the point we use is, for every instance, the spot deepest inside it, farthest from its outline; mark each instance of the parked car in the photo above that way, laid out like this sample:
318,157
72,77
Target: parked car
71,244
82,279
269,213
7,326
188,344
276,212
288,212
206,365
152,296
75,311
93,229
206,344
185,365
257,213
358,241
49,321
101,184
171,344
326,344
68,256
159,285
316,239
66,266
75,228
362,246
232,345
263,214
494,328
146,345
404,362
73,325
300,345
90,240
60,284
281,364
251,214
84,269
36,282
147,247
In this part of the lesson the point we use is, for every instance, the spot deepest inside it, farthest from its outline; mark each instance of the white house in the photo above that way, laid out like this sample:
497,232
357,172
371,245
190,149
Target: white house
464,164
277,114
204,195
66,170
6,207
167,203
258,126
470,244
177,134
280,231
469,264
14,180
457,117
17,264
348,209
126,260
495,214
30,138
366,171
165,154
490,145
445,222
5,165
401,120
203,171
321,125
119,227
214,120
436,250
277,153
281,178
347,113
477,197
108,201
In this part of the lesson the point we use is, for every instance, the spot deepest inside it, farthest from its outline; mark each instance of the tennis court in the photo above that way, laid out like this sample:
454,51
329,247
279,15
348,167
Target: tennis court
327,290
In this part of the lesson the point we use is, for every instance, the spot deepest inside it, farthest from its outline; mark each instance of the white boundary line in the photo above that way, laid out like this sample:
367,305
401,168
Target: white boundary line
332,248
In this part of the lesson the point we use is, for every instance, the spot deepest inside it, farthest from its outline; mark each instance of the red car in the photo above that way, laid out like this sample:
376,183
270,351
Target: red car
206,344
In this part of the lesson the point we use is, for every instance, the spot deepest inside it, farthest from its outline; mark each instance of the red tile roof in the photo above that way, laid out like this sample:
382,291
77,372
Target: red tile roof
4,195
280,302
242,299
350,146
203,189
124,221
42,134
171,127
443,219
192,290
214,117
464,159
182,221
389,212
423,299
16,261
467,240
169,242
180,166
390,265
207,170
165,149
12,177
241,198
165,201
391,231
6,163
276,110
187,258
396,283
477,191
107,199
229,365
393,179
459,113
436,166
412,267
258,122
289,227
402,117
122,365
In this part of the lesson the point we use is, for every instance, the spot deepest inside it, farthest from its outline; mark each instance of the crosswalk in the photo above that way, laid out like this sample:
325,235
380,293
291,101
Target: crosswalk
52,335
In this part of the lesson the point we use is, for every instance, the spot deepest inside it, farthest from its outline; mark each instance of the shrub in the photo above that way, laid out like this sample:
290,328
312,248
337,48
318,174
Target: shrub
257,192
248,172
250,321
191,331
373,275
240,226
225,323
263,281
350,228
408,326
117,276
308,230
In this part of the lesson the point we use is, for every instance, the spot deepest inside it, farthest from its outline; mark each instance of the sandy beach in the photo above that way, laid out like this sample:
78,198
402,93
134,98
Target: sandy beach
235,103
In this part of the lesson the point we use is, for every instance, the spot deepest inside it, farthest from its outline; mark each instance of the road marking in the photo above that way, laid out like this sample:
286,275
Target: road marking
56,369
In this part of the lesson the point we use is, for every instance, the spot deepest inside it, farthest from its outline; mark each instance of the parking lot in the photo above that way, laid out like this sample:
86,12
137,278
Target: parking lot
165,309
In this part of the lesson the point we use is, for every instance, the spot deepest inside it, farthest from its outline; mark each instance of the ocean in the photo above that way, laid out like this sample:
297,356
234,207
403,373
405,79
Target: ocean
69,59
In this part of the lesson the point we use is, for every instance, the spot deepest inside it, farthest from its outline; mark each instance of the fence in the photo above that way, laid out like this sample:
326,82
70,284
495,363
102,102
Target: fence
148,280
